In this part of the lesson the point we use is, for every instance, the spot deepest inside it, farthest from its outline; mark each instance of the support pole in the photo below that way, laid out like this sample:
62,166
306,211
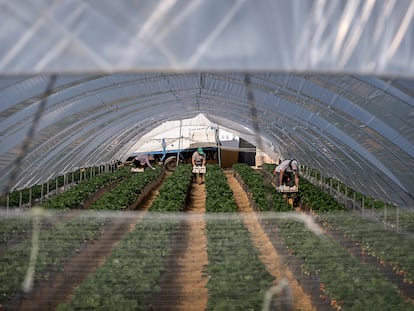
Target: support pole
179,144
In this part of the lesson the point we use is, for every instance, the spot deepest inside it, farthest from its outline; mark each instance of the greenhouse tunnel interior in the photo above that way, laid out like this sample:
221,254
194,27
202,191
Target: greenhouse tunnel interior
338,94
354,128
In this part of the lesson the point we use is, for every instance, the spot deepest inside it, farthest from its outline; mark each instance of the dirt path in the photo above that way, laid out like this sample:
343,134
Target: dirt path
47,295
184,286
268,255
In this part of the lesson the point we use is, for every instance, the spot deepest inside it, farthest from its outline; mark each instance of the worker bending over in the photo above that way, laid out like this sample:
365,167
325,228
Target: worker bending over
142,160
284,173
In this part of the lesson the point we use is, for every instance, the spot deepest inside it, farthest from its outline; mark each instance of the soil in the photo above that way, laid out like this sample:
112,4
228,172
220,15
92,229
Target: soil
386,269
268,255
183,284
60,288
183,287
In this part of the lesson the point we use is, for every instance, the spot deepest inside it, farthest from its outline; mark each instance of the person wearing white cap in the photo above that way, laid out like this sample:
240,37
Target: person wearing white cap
285,169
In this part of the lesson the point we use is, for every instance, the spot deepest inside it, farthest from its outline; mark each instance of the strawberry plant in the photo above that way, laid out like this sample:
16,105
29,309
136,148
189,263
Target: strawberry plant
126,192
237,277
219,195
128,279
173,193
55,247
263,193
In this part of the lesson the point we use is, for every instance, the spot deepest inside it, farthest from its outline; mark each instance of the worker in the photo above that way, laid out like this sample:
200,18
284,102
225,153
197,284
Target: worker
198,159
284,171
142,160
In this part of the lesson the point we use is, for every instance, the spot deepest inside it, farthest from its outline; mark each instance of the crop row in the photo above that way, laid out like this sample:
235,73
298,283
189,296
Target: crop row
265,196
130,277
35,193
237,279
345,281
57,244
387,246
75,196
219,195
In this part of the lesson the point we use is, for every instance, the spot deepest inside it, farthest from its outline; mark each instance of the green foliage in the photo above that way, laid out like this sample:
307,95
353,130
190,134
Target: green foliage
173,193
127,191
75,196
387,246
254,181
264,194
219,195
55,246
129,277
343,277
316,198
237,277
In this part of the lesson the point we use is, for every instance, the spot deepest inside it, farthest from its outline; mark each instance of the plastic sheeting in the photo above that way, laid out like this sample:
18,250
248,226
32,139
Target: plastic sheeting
365,36
327,82
346,126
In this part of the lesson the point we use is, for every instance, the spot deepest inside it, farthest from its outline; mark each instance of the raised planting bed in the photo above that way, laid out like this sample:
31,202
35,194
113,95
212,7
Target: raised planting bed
173,194
390,249
346,282
124,196
264,195
219,195
45,253
128,280
238,279
76,196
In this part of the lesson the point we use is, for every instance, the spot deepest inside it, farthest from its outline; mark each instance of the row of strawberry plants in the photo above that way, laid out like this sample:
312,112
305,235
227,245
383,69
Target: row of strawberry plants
261,191
17,228
311,195
387,246
173,193
237,279
36,192
55,246
128,279
127,191
344,280
75,196
219,195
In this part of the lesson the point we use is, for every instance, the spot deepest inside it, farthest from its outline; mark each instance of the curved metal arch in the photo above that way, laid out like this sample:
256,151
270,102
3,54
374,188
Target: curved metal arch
96,116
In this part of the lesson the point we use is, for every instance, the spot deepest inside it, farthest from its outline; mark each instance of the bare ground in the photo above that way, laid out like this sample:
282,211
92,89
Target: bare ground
184,286
61,287
269,256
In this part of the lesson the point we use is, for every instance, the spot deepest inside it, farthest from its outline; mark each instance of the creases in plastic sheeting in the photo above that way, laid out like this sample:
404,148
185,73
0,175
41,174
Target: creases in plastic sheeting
350,36
327,121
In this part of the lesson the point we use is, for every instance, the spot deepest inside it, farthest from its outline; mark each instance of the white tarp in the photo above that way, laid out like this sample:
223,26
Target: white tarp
187,133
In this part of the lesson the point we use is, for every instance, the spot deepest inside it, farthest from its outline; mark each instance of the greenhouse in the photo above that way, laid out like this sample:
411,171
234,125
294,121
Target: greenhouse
89,88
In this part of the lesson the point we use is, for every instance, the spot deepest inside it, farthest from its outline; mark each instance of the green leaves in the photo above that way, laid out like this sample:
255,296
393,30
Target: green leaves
173,192
219,195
